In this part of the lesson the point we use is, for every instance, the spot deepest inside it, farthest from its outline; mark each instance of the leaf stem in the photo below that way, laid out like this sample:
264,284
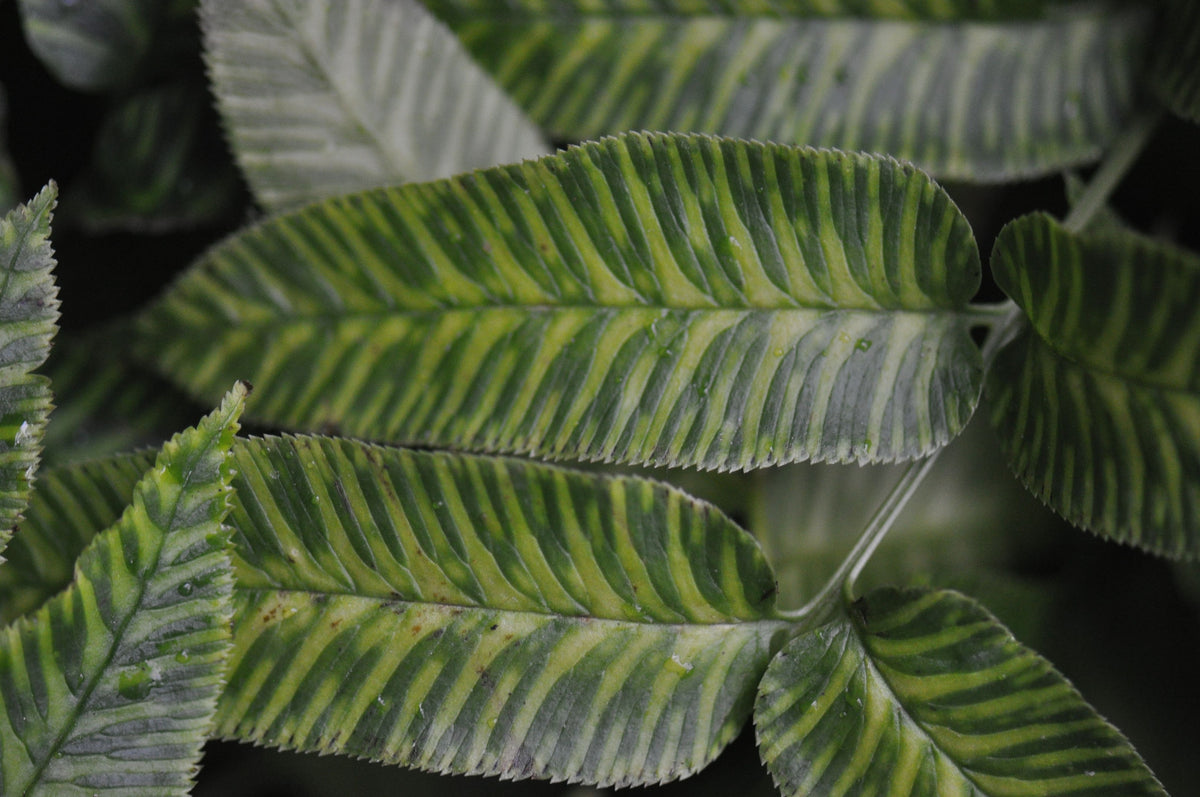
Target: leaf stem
1124,152
840,586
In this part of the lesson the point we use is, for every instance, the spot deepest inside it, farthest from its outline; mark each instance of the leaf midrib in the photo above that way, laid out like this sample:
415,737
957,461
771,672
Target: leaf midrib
81,704
869,662
764,622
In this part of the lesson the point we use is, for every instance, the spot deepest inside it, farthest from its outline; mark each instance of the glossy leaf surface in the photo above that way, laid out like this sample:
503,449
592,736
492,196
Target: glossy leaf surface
970,100
28,320
1097,403
324,97
673,300
111,686
924,693
488,616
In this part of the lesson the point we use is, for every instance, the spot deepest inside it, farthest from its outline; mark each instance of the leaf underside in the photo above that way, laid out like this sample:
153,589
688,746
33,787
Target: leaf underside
1097,402
28,321
924,693
324,97
112,685
650,298
970,100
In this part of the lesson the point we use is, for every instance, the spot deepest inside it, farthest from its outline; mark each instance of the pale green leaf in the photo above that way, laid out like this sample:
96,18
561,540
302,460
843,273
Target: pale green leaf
324,97
1175,64
112,685
650,298
971,100
488,616
102,45
28,321
1097,402
925,693
158,164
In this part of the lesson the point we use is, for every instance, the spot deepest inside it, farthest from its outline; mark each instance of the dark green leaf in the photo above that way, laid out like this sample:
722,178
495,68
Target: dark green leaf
112,685
1097,402
105,402
28,321
1175,65
968,100
322,97
101,45
925,693
159,164
662,299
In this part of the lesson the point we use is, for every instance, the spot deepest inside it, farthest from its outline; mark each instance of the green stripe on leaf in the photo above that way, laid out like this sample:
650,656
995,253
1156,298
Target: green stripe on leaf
111,686
663,299
971,100
924,693
1097,402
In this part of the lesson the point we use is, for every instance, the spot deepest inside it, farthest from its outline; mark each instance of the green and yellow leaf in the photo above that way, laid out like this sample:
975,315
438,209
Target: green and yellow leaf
964,97
111,686
943,10
487,616
924,693
650,298
28,321
1097,402
325,97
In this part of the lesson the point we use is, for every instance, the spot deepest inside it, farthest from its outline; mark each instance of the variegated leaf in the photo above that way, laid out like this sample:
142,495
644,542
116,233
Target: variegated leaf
946,10
924,693
971,100
487,616
650,298
28,321
1097,402
324,97
111,686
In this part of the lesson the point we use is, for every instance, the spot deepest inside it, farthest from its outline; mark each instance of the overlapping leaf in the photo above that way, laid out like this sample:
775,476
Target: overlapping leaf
1175,66
324,97
951,10
1097,403
973,100
100,45
159,164
488,616
112,685
648,298
28,320
924,693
